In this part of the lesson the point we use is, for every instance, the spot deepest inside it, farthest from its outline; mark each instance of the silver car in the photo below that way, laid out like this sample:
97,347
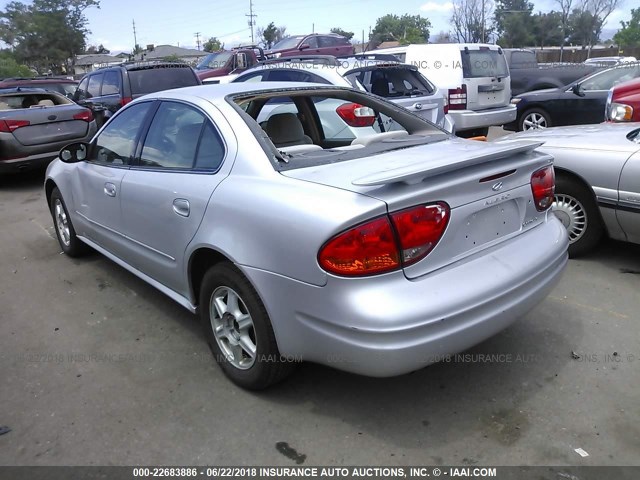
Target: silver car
376,255
597,180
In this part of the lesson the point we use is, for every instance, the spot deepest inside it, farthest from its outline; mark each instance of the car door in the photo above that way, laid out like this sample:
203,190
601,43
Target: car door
628,211
313,47
96,187
165,194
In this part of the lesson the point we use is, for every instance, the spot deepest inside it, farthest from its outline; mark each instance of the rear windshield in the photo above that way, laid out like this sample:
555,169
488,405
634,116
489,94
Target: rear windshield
483,63
394,82
157,79
31,100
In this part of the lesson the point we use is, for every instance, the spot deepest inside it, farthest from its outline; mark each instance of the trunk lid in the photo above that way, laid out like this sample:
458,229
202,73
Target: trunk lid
47,124
486,186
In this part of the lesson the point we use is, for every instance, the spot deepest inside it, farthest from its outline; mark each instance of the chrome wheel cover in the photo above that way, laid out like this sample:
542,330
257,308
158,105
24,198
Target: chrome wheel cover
233,327
572,214
62,222
534,121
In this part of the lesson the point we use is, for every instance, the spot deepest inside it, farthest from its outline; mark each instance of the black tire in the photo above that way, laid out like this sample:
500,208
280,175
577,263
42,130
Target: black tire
70,244
568,191
540,113
268,367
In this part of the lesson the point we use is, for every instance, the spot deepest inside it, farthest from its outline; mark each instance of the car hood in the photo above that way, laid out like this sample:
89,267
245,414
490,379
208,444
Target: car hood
604,136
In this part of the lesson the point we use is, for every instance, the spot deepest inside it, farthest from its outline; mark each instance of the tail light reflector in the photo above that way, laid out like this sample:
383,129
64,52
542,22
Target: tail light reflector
9,126
543,187
86,115
125,100
385,243
458,98
356,115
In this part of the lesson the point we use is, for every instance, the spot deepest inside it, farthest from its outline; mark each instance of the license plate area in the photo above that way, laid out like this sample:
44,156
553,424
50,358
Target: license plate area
490,224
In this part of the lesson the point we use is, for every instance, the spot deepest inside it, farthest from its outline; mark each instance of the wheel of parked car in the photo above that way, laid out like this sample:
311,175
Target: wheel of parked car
238,329
533,119
69,242
576,208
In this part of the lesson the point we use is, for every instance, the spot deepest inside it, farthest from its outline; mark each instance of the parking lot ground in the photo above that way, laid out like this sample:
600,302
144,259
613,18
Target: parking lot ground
98,368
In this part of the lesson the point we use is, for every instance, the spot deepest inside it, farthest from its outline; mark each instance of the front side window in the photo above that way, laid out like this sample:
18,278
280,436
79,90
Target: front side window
117,141
81,92
181,137
607,79
311,41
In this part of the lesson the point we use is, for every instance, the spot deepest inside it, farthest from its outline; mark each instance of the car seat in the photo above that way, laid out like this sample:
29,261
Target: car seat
285,130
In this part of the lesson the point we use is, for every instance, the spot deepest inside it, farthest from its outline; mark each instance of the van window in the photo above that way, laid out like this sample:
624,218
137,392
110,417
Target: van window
483,63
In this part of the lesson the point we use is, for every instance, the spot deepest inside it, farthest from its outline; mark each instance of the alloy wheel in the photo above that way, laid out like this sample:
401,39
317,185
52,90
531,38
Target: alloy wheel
62,222
534,121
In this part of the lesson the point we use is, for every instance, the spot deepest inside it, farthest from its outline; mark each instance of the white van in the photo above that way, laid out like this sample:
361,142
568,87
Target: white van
475,75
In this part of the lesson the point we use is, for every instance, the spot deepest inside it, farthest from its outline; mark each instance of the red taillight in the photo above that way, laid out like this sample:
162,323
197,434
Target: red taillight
365,249
543,186
374,247
458,98
419,230
125,100
9,126
86,115
356,115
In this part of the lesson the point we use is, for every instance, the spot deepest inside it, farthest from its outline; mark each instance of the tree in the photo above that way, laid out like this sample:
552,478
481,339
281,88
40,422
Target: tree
92,49
443,37
513,22
469,20
344,33
547,29
584,28
629,34
10,68
405,29
212,45
47,34
270,35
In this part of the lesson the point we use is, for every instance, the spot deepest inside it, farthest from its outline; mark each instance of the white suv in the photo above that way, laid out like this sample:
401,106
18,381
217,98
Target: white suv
476,77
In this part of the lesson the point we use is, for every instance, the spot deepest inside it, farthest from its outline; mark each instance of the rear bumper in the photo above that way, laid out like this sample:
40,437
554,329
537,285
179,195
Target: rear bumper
470,119
24,164
389,325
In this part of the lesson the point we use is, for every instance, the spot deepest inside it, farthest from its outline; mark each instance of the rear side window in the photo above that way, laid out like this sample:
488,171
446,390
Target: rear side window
94,85
156,79
181,137
111,83
483,63
328,42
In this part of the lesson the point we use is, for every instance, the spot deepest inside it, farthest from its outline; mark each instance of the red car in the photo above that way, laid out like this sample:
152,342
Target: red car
623,103
312,44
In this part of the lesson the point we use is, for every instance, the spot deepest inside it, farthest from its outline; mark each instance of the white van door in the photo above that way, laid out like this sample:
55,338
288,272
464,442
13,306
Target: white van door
486,76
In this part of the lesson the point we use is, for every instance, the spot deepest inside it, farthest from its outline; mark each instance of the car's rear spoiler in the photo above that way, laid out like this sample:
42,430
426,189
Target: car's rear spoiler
418,171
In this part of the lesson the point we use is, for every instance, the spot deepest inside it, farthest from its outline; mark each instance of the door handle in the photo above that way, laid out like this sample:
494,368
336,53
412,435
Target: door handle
181,207
110,189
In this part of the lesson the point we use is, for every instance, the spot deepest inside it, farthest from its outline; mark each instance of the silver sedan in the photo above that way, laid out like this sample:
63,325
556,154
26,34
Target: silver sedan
377,255
597,180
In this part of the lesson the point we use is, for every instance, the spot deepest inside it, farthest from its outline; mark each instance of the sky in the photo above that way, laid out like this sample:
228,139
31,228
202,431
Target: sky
176,22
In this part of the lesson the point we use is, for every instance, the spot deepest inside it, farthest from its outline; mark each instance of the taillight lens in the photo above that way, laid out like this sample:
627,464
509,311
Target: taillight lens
365,249
9,126
420,229
543,187
374,247
458,98
86,116
619,112
125,100
356,115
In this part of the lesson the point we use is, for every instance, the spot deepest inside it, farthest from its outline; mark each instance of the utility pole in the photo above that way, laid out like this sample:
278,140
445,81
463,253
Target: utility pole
251,21
135,38
197,34
313,28
483,7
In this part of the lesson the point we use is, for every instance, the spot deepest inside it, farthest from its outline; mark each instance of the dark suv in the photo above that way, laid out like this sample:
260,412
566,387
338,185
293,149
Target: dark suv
108,89
62,85
313,44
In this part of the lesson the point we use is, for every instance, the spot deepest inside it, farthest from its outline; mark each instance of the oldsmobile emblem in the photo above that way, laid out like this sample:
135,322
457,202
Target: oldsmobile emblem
496,186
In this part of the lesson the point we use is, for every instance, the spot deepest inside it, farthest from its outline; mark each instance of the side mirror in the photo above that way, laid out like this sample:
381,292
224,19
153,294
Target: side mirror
577,90
241,60
74,152
304,46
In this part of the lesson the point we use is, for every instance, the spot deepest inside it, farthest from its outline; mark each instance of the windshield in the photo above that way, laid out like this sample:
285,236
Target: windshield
289,42
214,60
